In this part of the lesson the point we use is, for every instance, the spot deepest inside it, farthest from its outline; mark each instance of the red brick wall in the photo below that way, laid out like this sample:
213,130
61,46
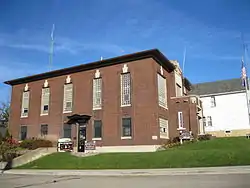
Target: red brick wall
143,111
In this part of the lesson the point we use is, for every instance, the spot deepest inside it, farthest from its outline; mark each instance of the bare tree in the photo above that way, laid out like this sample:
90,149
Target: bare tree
4,113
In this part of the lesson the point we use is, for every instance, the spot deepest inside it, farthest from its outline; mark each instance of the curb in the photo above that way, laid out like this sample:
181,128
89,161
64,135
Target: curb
136,172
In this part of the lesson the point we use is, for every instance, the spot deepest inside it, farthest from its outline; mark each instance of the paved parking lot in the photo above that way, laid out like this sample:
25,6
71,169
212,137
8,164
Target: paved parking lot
187,181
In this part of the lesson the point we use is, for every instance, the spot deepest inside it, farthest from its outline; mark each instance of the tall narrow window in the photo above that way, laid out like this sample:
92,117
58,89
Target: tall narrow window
97,129
213,103
209,121
45,101
23,132
67,131
125,89
204,121
178,90
97,93
44,130
162,91
180,120
178,83
25,104
126,127
68,98
163,123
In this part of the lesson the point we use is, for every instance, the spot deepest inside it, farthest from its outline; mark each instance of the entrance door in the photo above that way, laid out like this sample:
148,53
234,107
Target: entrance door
81,137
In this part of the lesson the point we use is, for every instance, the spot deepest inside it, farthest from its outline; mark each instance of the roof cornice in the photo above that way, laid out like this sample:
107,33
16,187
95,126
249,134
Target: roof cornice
154,53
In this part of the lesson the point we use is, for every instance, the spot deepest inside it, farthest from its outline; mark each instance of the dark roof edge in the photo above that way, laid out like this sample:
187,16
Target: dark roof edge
153,53
222,93
187,84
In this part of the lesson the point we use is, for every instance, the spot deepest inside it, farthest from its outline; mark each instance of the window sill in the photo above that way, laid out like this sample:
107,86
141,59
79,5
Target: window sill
44,114
96,138
67,112
181,129
126,105
23,116
126,137
97,108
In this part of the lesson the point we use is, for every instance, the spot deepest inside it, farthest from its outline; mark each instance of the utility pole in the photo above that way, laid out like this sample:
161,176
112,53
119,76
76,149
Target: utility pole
51,48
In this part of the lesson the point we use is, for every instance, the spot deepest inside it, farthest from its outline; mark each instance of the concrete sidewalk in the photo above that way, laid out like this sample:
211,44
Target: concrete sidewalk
136,172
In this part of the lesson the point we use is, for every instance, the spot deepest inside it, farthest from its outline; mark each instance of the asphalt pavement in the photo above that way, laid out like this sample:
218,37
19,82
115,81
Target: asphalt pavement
176,181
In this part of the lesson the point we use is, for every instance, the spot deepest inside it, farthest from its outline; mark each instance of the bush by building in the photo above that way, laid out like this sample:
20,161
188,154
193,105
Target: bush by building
32,144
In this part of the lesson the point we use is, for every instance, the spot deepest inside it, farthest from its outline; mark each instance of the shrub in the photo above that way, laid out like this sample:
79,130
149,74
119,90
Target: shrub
204,137
176,139
32,144
170,143
8,150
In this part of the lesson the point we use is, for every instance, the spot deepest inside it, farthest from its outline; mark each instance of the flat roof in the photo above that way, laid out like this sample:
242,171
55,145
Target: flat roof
153,53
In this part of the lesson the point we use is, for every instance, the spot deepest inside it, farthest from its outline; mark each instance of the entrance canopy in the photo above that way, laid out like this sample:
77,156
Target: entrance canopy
76,118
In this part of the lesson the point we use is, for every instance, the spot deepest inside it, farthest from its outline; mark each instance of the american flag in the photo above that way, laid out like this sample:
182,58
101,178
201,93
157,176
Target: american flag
243,73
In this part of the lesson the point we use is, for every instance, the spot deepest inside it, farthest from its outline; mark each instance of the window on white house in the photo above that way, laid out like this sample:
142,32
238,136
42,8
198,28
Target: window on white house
25,104
45,101
44,129
163,124
213,102
23,132
126,127
178,90
67,129
68,98
209,121
204,122
162,91
97,129
180,120
97,93
125,89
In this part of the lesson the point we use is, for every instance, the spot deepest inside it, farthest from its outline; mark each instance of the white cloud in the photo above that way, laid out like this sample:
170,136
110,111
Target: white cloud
62,44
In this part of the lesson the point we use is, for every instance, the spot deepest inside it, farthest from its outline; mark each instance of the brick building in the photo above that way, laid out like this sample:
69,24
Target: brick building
132,102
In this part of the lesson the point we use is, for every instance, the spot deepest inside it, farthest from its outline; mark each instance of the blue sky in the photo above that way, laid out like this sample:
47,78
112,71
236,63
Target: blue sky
86,30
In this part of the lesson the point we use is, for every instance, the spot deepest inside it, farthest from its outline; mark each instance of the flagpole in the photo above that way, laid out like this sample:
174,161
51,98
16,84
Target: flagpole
184,60
245,79
51,48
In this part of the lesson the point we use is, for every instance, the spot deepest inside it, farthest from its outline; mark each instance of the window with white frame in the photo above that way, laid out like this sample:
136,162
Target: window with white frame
204,121
209,121
67,129
45,101
68,98
213,102
97,93
178,90
23,132
126,127
163,123
125,89
97,129
162,91
25,104
180,120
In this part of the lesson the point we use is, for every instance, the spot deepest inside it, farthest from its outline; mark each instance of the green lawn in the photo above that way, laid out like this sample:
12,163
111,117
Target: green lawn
216,152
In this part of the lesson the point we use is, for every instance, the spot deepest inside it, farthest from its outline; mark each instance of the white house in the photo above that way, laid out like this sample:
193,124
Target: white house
224,107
